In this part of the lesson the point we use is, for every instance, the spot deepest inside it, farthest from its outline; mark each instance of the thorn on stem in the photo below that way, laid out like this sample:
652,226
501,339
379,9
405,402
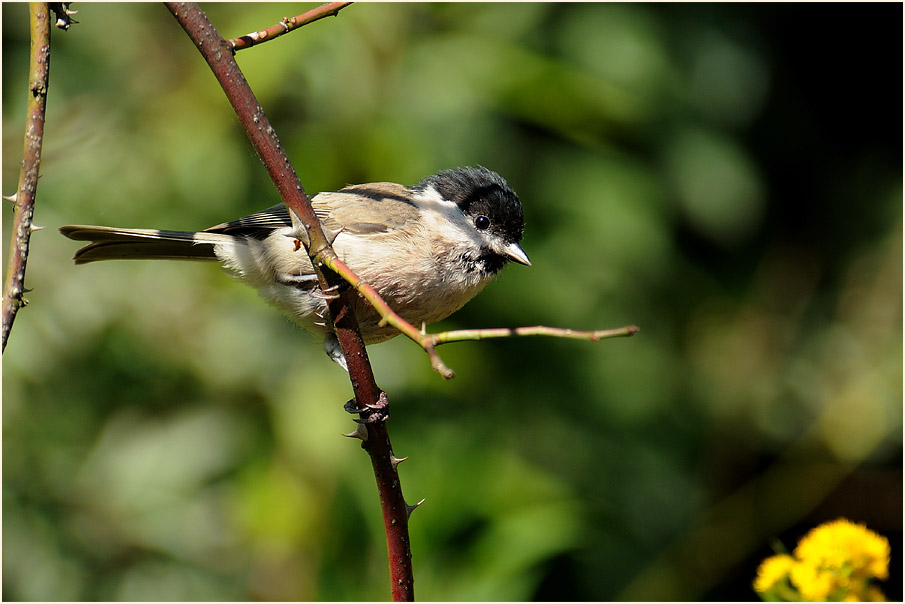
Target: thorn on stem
64,14
11,198
411,508
360,432
395,461
353,408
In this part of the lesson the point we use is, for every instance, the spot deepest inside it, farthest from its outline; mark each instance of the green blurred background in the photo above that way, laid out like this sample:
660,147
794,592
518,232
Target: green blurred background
728,177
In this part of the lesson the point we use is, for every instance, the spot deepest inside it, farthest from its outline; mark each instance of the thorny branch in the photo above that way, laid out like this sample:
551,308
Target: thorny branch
24,197
286,25
370,402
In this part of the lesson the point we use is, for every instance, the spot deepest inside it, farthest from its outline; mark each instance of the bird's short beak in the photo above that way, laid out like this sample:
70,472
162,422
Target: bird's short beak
516,253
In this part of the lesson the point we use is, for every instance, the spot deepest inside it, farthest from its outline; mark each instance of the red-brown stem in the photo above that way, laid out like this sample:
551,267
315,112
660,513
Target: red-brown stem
39,71
287,25
218,54
379,448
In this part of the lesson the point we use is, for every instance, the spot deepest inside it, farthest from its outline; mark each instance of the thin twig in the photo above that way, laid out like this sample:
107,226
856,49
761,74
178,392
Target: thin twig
370,402
24,198
429,342
286,25
462,335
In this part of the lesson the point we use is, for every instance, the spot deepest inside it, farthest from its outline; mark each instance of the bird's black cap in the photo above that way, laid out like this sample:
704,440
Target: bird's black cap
481,192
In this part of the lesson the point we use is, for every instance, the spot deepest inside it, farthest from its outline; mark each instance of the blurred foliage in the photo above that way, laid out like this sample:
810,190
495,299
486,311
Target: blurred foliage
728,177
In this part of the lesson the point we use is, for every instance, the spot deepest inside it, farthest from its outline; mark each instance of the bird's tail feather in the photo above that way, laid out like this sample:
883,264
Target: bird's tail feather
111,243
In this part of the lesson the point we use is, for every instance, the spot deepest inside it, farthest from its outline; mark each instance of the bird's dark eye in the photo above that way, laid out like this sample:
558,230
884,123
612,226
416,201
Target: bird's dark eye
482,223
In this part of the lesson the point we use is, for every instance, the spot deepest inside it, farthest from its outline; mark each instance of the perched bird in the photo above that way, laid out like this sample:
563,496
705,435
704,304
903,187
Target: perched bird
426,249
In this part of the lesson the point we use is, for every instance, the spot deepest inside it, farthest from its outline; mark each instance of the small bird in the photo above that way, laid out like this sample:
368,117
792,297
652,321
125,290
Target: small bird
426,249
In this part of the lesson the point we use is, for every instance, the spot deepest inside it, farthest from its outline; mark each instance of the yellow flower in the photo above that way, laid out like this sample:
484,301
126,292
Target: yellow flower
835,561
846,548
814,584
771,571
